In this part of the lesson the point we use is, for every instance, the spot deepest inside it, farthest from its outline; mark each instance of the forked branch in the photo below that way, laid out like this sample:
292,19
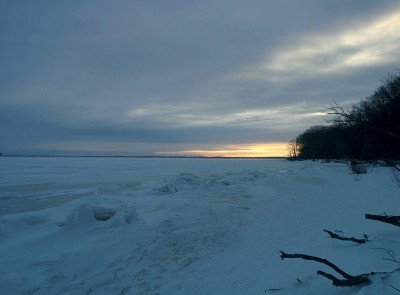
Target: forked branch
348,280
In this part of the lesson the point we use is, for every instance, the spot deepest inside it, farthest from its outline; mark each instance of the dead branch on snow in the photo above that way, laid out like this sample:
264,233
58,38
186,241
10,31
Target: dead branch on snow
347,282
342,238
394,220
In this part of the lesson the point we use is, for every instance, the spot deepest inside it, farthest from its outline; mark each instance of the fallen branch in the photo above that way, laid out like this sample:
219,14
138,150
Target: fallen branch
347,282
342,238
394,220
354,281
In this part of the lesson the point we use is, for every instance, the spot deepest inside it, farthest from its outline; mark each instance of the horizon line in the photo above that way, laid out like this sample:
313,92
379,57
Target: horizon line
138,156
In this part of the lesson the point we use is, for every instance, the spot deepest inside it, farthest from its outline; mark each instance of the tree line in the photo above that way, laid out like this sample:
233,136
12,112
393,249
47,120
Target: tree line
368,130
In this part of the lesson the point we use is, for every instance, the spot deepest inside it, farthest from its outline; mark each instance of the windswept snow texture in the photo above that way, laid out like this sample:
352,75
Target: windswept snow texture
191,226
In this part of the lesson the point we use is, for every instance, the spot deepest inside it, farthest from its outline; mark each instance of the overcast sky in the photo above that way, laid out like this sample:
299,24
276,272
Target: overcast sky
184,77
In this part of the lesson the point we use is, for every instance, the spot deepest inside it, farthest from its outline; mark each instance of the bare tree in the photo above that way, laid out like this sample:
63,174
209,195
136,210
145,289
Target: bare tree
293,149
375,122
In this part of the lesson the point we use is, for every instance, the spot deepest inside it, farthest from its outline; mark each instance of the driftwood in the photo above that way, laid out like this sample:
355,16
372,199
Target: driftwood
394,220
348,280
342,238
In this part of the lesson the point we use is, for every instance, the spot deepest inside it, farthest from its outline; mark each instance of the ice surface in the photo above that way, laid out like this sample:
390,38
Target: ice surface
190,227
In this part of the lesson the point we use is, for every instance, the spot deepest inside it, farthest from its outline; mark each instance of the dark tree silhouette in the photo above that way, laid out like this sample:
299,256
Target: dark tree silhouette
368,130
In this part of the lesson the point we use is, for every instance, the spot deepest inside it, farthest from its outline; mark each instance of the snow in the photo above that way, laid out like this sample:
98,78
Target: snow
190,226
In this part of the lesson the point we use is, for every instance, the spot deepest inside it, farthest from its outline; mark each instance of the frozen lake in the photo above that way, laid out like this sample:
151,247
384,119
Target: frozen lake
33,183
147,226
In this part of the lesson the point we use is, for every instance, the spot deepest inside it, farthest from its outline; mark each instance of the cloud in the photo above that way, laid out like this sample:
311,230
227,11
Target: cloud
364,45
188,115
194,75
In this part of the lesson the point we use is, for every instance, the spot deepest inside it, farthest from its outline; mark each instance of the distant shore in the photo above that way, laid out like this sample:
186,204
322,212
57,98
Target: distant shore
118,156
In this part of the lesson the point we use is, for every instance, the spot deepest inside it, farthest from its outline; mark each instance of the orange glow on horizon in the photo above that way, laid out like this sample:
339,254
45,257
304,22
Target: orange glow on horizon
274,149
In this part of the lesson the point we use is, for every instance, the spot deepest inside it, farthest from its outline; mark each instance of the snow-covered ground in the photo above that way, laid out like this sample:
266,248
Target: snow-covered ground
190,226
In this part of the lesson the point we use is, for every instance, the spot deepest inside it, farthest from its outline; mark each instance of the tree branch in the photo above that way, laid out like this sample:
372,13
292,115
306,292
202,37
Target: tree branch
396,168
342,238
394,220
354,281
346,117
347,282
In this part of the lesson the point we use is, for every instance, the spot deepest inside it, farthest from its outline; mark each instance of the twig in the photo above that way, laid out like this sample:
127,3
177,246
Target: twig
390,253
394,288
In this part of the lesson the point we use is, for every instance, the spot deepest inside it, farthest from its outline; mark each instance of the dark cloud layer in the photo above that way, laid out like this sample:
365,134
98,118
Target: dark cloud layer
151,75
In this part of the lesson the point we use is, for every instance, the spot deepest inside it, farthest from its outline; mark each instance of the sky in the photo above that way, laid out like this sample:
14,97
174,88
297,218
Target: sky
194,78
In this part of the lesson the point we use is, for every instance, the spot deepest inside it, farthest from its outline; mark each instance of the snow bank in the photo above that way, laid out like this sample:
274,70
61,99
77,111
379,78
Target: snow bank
206,234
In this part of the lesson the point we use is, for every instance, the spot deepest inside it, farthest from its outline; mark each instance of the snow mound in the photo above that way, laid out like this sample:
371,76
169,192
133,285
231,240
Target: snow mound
86,215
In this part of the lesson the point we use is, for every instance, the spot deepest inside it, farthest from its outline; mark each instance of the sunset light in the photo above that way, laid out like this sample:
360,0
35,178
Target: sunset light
275,149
